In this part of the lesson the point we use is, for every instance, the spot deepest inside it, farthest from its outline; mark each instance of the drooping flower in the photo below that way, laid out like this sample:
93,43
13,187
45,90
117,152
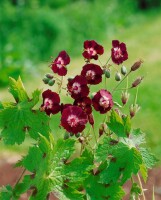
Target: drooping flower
102,101
74,119
118,52
92,49
85,104
93,73
77,87
59,64
51,102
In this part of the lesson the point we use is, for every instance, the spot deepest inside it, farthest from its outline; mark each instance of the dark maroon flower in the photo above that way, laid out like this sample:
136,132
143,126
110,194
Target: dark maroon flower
85,104
74,119
92,49
77,87
59,64
102,101
51,101
93,73
118,52
63,106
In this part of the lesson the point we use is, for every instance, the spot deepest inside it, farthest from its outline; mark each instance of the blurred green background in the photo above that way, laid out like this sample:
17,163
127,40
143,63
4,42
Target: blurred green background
31,31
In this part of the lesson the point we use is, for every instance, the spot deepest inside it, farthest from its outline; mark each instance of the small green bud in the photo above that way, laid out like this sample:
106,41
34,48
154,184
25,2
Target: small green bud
50,76
51,82
66,135
45,80
118,76
123,70
107,73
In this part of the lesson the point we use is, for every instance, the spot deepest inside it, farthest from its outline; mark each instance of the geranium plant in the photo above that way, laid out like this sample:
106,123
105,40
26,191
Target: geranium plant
92,160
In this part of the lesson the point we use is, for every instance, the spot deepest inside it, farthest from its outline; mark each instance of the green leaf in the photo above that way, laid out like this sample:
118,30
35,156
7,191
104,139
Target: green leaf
15,121
46,161
6,193
148,158
102,150
144,172
135,191
121,127
125,161
97,191
16,88
69,194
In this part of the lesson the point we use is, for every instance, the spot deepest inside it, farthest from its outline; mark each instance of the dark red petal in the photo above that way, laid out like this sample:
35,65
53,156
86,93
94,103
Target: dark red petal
115,43
65,57
62,71
86,55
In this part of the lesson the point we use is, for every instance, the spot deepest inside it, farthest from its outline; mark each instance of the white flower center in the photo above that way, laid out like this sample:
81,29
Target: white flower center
90,75
73,120
104,102
117,52
91,51
48,103
59,63
76,88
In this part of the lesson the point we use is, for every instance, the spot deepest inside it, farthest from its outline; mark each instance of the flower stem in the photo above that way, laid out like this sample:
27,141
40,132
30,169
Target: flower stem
141,186
18,180
108,60
121,81
94,134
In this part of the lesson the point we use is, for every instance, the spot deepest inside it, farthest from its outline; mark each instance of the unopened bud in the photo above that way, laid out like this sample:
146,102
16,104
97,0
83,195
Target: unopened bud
70,78
123,70
118,76
45,80
66,135
137,81
107,73
136,65
91,119
50,76
102,129
134,108
51,82
124,97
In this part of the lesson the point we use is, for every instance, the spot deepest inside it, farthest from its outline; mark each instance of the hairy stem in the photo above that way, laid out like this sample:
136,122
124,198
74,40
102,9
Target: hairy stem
141,186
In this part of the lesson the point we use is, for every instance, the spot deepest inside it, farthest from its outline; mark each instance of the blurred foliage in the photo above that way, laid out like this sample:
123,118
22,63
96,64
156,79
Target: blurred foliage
33,30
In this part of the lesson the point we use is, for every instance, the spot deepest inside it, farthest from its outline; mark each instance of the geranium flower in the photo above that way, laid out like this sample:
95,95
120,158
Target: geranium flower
102,101
74,119
63,106
118,52
85,104
92,49
93,73
51,102
77,87
59,64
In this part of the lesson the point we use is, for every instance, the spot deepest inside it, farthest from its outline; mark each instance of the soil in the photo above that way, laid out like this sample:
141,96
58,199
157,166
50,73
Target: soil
9,175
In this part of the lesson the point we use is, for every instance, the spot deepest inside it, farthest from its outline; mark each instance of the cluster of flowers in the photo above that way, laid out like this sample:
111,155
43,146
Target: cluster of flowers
74,117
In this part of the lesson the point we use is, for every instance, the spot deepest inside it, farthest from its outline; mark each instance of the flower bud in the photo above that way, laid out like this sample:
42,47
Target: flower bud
66,135
51,82
107,73
137,81
102,129
50,76
118,76
123,70
70,78
134,108
124,97
91,119
45,80
136,65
